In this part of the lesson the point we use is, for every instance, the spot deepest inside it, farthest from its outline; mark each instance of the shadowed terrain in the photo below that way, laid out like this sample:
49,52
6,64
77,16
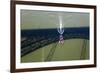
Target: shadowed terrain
33,40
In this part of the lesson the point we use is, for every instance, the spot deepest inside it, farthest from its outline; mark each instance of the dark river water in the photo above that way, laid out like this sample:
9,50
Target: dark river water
82,32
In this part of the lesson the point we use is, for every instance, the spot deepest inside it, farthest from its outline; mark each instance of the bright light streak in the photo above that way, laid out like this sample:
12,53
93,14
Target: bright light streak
60,30
60,22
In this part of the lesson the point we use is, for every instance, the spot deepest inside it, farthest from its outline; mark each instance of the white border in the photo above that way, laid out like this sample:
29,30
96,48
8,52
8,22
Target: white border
53,64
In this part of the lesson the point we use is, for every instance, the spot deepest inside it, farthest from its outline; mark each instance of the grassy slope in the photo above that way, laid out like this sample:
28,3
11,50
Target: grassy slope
70,50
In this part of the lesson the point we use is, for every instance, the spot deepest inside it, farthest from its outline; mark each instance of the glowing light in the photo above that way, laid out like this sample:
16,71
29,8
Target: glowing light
60,21
60,30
